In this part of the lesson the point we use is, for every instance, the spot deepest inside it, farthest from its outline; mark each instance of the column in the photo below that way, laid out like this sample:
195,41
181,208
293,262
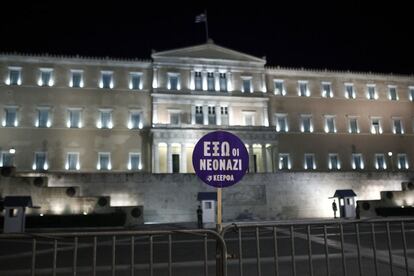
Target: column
154,114
217,81
193,114
156,158
264,158
183,159
155,78
218,115
205,114
251,165
265,117
169,158
229,82
204,80
192,81
264,89
230,115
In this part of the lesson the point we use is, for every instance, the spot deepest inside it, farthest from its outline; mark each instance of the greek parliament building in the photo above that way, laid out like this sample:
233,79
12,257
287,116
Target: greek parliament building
80,115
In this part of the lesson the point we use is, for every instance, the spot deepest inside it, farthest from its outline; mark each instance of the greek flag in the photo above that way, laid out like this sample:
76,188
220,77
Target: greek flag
201,18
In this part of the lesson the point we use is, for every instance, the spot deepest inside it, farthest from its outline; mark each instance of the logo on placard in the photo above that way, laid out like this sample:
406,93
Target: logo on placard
220,159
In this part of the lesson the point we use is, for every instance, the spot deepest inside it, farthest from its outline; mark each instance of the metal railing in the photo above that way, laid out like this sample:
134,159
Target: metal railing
91,252
345,247
342,247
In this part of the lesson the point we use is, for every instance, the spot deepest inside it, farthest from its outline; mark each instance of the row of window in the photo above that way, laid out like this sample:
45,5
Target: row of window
46,78
208,81
74,118
306,124
349,90
357,161
72,162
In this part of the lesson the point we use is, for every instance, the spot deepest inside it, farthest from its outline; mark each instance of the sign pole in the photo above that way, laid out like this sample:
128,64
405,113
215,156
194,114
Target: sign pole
219,210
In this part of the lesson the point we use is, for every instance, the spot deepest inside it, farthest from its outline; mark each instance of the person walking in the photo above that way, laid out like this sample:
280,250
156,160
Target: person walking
334,208
199,217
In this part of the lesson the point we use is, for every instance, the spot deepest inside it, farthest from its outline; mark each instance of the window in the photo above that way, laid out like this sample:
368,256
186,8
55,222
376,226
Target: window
224,115
402,161
411,93
310,161
10,117
281,123
376,126
6,159
104,161
357,161
333,162
353,125
248,118
247,85
211,115
327,90
43,117
72,161
107,80
199,117
210,81
279,87
134,162
380,163
134,119
371,92
397,126
105,119
349,91
330,126
303,89
175,117
46,77
40,161
15,76
76,80
223,82
74,118
135,80
392,93
306,123
198,81
284,161
173,81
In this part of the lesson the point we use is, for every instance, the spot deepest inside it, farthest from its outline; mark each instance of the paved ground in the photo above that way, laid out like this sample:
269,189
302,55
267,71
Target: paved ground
188,252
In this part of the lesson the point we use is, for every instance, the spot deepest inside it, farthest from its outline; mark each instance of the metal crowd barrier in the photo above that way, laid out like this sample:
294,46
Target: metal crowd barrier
73,245
383,252
342,247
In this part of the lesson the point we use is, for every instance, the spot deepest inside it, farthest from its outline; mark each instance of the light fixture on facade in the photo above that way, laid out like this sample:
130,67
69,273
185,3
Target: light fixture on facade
12,150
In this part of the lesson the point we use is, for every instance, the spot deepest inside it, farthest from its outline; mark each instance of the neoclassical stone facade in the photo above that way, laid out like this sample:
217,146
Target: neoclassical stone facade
85,115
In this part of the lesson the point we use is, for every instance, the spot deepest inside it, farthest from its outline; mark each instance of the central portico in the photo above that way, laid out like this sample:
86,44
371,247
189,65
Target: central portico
203,88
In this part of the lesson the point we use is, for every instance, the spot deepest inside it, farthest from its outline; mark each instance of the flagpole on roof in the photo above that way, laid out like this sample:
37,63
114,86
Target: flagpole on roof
206,23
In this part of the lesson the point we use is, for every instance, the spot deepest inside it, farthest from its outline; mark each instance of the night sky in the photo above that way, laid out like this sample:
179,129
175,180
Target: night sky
349,36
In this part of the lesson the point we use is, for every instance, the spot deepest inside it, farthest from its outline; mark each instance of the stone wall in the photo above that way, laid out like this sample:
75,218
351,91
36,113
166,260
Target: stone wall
267,196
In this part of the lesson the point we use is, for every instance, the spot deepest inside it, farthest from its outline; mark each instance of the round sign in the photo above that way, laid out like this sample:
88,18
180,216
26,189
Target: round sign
220,159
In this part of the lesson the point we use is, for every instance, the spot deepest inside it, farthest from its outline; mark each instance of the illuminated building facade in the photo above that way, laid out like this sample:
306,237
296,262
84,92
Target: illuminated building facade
81,114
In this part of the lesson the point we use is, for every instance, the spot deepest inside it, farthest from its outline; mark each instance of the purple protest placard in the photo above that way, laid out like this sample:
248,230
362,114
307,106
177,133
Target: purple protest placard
220,159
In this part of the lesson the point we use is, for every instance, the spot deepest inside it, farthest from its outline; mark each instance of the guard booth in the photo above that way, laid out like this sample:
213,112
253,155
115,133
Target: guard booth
347,204
15,213
208,202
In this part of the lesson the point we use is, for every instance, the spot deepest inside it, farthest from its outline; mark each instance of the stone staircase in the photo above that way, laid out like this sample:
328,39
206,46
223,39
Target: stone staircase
391,203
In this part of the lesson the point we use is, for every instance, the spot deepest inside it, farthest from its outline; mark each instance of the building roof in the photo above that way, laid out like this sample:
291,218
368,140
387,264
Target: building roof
18,201
208,50
344,193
